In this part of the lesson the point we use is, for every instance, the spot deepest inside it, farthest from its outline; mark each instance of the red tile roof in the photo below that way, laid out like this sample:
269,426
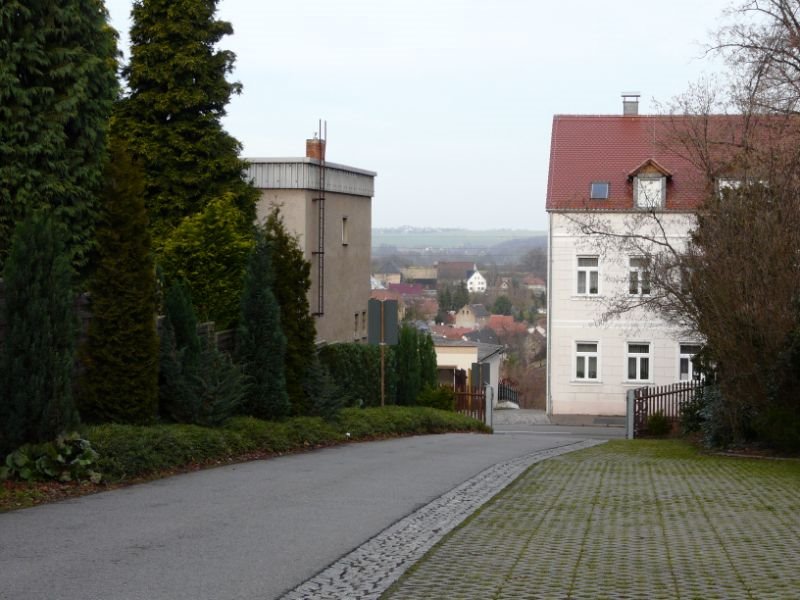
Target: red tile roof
450,333
609,148
407,289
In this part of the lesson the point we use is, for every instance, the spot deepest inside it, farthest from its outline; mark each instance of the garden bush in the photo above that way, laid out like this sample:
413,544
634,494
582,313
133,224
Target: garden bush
658,424
442,397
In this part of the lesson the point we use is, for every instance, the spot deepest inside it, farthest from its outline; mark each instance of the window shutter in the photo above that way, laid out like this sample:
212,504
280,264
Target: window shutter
663,192
635,192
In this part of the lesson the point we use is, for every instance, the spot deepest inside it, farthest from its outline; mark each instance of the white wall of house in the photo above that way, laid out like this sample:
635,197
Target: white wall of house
456,357
476,283
578,339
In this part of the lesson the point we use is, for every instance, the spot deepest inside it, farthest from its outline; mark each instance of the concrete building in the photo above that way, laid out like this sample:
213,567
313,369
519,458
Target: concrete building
618,169
329,207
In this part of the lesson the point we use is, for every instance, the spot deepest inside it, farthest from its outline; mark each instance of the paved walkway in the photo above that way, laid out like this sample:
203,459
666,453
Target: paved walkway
642,520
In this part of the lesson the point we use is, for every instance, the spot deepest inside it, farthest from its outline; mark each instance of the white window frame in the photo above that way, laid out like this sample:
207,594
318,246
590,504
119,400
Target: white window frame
655,198
687,356
585,356
639,357
587,271
641,274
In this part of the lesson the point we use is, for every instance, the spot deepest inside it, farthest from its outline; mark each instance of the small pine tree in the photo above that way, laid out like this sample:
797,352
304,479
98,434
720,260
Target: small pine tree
178,356
120,384
218,388
292,274
39,348
407,364
326,399
260,343
198,384
429,373
460,296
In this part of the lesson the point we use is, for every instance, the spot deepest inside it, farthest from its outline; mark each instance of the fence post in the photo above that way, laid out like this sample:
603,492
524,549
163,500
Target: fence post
629,414
488,395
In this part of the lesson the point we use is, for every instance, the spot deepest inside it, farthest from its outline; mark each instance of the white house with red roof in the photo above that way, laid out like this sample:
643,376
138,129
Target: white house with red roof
615,168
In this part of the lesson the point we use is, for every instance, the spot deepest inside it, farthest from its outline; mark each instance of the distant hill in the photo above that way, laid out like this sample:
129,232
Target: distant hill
426,245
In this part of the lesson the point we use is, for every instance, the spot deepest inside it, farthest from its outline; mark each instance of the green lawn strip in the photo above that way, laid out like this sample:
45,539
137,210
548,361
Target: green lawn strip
129,453
643,518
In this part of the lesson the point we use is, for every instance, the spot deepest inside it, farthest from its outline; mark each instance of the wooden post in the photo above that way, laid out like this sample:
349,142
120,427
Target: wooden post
383,362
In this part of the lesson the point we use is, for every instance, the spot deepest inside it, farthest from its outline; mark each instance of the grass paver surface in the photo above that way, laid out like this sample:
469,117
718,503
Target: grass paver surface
626,520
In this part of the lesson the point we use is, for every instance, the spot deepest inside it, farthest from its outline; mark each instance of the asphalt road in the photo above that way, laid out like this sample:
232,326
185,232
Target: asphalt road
248,531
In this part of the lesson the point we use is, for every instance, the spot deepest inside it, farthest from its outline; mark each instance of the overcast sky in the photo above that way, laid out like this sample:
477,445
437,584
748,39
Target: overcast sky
450,101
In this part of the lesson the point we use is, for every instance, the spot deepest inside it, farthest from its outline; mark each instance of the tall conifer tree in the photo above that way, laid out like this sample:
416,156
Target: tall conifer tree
292,281
57,85
39,345
121,357
260,343
172,116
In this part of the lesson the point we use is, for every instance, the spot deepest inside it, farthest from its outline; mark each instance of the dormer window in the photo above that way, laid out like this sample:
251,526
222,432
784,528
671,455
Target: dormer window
599,190
649,191
649,182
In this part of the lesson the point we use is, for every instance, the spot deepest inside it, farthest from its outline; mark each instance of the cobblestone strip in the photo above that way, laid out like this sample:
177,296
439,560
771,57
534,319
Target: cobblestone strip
366,572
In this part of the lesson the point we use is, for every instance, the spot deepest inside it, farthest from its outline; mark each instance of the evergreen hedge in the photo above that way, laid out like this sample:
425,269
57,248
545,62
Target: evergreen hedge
128,452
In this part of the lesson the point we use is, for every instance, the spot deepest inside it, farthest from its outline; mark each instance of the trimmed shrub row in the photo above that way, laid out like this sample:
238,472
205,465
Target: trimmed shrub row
130,451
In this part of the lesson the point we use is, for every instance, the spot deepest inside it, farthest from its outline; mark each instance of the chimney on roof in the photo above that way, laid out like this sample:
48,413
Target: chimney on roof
315,148
630,103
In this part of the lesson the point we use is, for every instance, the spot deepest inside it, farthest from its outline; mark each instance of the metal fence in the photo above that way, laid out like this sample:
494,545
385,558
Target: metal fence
667,400
507,390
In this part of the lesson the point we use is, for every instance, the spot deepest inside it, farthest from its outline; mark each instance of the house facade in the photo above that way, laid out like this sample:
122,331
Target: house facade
617,175
460,355
329,207
472,316
476,283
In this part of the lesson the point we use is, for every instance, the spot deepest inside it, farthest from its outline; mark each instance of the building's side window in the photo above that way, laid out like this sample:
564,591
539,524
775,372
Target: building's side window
586,359
355,327
638,276
650,191
686,366
588,275
345,232
638,361
363,323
